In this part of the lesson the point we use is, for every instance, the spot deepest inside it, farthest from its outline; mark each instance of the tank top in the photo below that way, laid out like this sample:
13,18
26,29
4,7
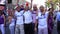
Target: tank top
1,20
12,22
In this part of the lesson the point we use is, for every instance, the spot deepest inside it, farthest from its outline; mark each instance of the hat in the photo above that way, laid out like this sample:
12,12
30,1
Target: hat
2,2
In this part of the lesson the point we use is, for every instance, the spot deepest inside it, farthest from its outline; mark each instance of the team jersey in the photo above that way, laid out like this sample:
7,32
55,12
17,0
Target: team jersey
28,17
42,19
19,16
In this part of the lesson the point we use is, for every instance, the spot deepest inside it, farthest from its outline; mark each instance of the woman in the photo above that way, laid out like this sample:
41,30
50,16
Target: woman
2,22
50,21
12,22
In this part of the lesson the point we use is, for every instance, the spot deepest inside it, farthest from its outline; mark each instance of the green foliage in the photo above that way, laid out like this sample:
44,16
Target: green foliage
54,2
48,4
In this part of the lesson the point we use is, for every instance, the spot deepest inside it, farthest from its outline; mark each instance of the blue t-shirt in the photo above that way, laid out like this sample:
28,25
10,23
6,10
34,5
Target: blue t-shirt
58,16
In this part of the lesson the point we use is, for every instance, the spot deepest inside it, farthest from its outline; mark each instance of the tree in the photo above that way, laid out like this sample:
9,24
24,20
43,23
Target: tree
55,2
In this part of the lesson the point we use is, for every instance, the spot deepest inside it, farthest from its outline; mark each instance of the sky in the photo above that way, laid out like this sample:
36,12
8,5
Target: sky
38,2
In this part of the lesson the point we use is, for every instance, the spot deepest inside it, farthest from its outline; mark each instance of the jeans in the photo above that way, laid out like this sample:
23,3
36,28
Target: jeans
19,29
11,29
2,28
42,30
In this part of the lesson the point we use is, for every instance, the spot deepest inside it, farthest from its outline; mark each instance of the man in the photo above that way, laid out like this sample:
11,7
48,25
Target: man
41,20
28,26
58,21
19,21
34,12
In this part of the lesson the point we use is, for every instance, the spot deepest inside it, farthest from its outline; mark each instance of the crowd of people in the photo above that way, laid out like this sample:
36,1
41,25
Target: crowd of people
23,20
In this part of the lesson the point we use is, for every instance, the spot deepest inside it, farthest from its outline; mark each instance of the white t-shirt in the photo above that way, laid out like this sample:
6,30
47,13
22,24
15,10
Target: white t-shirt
42,20
12,22
28,17
19,16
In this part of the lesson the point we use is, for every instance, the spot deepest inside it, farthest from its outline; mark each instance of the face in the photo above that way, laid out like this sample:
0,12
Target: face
9,11
34,8
42,8
1,7
27,7
18,8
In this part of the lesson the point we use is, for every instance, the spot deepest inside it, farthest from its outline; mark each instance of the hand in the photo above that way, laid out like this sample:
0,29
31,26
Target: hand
35,29
4,25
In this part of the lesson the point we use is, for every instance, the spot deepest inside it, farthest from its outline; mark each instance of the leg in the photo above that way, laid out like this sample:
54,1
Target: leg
2,29
11,29
39,30
21,29
45,30
49,31
31,30
26,28
17,29
58,27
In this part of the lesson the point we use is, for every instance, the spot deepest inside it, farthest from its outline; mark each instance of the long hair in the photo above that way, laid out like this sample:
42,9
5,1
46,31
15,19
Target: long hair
50,15
1,12
50,12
